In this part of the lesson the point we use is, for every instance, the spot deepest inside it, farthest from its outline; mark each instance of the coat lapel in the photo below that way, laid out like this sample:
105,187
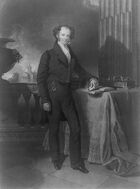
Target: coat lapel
60,55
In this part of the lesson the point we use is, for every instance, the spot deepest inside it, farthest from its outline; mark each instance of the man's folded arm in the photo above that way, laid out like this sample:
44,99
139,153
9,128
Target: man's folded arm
85,76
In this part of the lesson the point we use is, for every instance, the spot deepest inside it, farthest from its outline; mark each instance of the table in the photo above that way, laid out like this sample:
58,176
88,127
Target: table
107,122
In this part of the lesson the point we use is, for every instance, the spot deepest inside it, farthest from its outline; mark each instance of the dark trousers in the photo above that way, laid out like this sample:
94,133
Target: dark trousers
62,102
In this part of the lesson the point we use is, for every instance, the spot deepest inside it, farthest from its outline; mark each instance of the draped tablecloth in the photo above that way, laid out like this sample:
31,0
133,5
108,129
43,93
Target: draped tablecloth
102,118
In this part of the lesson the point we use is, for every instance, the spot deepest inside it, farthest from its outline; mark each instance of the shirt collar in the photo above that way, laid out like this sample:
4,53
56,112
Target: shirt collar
62,45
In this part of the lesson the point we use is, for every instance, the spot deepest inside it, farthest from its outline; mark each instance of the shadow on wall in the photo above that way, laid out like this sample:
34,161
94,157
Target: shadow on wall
114,59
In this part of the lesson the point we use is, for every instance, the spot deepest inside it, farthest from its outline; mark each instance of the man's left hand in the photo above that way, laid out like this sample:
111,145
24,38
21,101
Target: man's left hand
93,84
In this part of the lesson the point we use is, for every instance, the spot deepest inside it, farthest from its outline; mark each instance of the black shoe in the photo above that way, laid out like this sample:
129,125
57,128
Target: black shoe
56,165
81,168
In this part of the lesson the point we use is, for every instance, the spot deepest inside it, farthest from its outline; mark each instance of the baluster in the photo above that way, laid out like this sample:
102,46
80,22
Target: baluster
32,110
37,110
27,95
21,107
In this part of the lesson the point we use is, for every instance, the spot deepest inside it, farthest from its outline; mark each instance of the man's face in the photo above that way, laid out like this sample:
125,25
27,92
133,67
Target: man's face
64,36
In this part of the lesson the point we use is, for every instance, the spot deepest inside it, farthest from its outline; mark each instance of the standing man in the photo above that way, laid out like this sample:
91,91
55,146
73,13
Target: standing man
56,69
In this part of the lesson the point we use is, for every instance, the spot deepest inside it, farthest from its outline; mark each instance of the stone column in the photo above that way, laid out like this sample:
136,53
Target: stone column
136,41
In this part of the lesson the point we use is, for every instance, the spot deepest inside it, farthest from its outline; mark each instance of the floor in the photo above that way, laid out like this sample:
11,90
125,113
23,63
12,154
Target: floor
27,166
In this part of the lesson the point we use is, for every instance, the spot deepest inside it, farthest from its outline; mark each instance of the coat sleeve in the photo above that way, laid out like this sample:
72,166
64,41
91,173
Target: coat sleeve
84,76
42,74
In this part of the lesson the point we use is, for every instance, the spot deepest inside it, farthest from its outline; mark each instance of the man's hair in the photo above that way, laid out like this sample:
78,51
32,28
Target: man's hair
57,29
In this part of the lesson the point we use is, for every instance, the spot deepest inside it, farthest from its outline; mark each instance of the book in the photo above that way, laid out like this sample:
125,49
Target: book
100,90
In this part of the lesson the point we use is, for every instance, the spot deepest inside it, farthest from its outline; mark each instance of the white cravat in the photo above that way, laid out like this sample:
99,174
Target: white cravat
65,51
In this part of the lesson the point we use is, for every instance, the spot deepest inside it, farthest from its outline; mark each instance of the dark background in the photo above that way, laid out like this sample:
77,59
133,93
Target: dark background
33,20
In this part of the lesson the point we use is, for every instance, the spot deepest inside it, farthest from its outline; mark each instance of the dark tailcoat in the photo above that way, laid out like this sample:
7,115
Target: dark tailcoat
54,66
54,77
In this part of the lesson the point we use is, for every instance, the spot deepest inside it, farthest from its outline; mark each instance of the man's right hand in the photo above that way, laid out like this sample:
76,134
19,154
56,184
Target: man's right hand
47,106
